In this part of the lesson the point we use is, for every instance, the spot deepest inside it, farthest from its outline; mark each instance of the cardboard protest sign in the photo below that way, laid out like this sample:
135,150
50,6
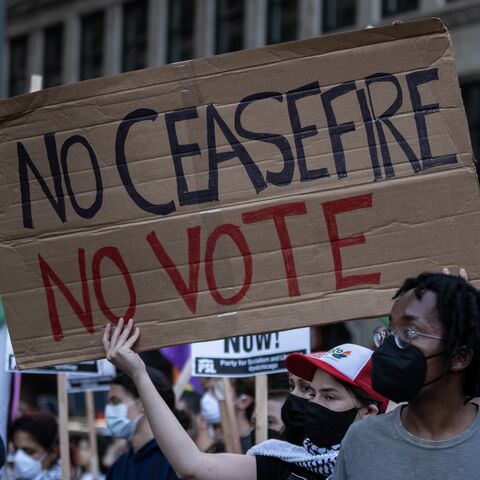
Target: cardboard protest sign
262,190
85,369
248,355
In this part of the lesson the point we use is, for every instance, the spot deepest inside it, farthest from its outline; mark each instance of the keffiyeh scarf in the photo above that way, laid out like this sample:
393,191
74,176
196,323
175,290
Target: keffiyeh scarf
318,460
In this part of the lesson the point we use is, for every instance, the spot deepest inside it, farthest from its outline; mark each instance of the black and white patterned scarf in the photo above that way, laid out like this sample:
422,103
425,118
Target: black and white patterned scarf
318,460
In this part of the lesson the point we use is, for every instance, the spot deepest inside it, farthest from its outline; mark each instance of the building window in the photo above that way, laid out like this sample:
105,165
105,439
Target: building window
392,7
134,35
338,14
180,30
282,20
91,50
17,83
471,99
52,61
229,34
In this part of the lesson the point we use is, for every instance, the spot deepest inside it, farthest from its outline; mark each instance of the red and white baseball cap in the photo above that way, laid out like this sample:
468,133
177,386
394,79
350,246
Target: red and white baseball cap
349,363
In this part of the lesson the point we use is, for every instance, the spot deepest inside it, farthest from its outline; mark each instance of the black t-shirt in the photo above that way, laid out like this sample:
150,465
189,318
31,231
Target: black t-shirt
269,468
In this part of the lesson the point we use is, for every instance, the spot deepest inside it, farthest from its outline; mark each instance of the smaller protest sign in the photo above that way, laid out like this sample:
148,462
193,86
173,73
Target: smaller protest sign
96,382
248,355
87,368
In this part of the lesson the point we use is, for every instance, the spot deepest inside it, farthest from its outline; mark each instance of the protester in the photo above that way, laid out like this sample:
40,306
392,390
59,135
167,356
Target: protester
83,453
275,402
36,449
115,448
244,405
210,409
125,419
198,428
294,408
275,425
335,401
429,358
341,393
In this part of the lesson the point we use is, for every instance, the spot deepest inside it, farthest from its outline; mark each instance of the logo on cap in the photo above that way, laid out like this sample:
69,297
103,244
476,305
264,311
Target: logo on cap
338,353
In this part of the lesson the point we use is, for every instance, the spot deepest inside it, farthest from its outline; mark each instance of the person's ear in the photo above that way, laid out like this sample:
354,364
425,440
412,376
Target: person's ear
462,360
364,412
51,458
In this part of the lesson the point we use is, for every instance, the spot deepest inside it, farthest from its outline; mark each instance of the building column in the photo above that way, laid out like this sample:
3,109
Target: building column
309,18
5,71
431,5
112,63
255,25
35,51
71,52
3,55
205,28
369,13
157,32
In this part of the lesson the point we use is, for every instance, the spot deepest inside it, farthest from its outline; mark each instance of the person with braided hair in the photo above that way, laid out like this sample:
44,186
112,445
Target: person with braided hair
428,359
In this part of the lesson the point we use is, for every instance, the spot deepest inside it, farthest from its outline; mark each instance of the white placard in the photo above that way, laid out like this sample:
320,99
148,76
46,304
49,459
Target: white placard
248,355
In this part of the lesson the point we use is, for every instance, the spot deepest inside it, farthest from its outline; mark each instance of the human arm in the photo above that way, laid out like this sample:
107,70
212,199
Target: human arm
182,453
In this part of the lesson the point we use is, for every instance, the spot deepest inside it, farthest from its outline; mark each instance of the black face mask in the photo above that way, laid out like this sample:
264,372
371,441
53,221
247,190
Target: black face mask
271,435
326,428
399,373
274,434
293,415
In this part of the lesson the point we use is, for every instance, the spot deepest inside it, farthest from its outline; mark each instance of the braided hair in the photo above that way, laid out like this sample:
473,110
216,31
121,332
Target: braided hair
458,307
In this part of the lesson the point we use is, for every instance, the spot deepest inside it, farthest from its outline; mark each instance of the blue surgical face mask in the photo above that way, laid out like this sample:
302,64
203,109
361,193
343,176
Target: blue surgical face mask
118,423
25,466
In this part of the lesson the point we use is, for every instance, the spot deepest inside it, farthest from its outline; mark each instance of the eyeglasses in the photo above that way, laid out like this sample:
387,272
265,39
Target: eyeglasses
403,336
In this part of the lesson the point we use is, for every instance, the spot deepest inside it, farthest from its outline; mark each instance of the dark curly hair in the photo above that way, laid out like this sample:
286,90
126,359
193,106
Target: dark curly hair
458,307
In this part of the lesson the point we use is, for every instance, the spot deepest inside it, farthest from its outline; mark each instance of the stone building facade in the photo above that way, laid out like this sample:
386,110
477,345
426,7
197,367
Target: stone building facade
70,40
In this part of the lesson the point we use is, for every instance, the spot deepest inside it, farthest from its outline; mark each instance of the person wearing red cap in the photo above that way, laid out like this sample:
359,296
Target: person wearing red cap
342,394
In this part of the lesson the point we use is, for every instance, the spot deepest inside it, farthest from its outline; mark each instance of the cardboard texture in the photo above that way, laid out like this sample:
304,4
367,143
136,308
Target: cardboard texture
267,189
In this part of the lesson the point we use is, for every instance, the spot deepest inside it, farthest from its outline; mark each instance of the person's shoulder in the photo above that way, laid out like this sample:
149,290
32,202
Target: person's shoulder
120,462
371,425
55,473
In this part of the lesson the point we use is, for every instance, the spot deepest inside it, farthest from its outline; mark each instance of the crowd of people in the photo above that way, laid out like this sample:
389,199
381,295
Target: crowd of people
407,409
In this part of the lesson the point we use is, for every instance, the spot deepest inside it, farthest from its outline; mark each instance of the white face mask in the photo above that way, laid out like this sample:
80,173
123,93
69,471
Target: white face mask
25,466
118,423
210,409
